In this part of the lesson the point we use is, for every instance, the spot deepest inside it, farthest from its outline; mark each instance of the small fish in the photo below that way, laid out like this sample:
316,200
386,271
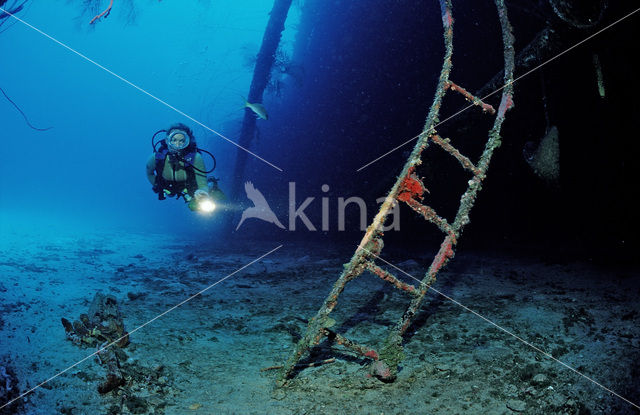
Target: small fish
259,109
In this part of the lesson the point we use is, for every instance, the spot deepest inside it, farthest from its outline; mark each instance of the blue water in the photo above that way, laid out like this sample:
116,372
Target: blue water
88,169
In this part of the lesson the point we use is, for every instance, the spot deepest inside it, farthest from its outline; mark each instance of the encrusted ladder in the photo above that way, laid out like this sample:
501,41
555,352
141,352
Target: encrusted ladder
409,189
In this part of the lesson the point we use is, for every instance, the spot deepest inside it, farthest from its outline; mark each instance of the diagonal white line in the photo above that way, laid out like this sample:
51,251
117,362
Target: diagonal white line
504,330
502,87
139,327
141,89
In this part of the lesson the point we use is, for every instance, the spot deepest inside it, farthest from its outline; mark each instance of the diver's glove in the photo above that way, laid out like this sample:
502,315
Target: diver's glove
214,190
199,194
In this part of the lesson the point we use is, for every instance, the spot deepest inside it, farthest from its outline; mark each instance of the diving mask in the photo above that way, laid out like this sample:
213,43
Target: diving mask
177,140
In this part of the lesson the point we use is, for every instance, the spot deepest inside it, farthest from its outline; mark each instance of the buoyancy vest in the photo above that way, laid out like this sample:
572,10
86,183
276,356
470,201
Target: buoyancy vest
175,188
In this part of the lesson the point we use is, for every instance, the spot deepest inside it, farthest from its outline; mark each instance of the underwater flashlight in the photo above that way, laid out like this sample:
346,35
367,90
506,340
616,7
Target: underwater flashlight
206,206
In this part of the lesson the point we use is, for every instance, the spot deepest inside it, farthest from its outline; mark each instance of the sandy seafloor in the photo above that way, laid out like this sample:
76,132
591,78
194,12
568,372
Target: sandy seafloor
206,356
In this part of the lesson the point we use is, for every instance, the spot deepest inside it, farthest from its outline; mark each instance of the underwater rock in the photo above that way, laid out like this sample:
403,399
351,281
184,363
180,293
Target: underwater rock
539,379
134,296
103,307
9,388
68,327
102,326
136,405
113,410
110,358
516,405
381,370
113,381
81,330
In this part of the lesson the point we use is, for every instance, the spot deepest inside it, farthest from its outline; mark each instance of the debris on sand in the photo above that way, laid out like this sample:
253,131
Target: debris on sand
102,327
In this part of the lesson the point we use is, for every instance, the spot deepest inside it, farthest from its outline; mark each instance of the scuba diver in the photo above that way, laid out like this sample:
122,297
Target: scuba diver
176,168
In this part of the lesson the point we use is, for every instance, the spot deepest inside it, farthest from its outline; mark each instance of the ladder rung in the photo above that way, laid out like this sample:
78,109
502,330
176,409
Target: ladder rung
343,341
470,97
429,214
464,161
387,276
